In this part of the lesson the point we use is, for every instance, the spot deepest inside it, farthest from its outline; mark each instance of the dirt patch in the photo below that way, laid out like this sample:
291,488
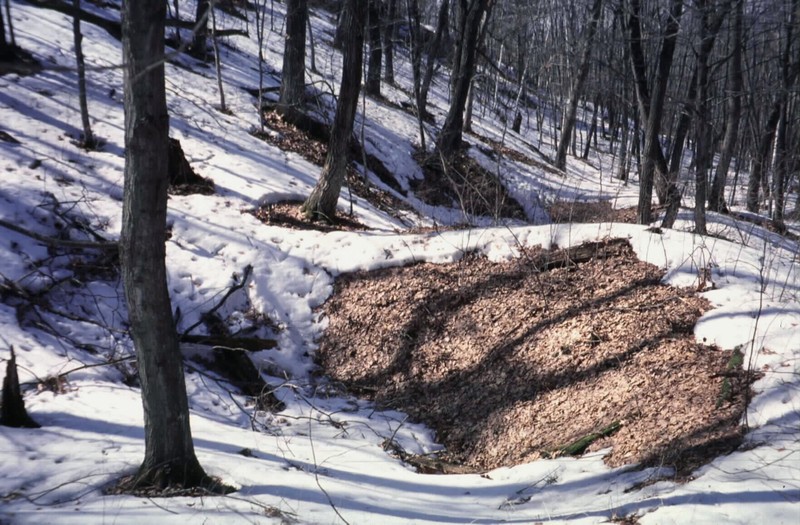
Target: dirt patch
595,211
308,138
290,215
466,185
510,363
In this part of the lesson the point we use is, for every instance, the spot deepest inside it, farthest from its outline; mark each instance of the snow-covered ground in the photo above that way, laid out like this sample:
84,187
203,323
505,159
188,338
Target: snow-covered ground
320,460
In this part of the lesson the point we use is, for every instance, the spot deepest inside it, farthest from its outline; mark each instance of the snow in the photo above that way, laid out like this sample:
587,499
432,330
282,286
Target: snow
321,459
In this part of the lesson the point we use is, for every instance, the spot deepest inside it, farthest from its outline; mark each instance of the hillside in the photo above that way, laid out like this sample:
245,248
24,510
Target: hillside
427,358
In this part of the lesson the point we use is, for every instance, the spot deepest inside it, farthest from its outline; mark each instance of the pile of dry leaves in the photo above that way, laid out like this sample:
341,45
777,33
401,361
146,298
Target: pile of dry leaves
510,362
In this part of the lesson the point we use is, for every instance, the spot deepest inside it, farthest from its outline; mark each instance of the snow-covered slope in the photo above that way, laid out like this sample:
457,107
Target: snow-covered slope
320,460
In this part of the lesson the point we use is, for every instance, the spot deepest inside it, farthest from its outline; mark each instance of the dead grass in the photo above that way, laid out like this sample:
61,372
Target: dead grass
509,363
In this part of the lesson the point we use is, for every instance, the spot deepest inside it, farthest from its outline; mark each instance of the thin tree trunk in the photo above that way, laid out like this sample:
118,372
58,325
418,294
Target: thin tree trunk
761,160
433,53
169,453
568,122
321,204
389,33
217,63
88,138
374,64
716,201
416,64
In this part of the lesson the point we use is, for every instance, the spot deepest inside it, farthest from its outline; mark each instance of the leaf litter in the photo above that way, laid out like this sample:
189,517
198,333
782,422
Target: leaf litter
511,362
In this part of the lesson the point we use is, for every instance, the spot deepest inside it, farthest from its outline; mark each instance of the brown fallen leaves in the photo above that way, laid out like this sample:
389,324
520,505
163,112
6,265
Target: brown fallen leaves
508,363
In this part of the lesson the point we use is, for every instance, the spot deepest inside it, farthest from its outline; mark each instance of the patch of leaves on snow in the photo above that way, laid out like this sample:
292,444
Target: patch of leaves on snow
509,363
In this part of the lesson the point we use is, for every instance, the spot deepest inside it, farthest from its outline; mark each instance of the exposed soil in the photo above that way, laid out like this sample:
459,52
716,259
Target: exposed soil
464,184
510,362
594,211
289,214
308,138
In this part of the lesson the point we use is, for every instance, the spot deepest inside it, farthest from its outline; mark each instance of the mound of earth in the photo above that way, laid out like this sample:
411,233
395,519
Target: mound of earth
510,362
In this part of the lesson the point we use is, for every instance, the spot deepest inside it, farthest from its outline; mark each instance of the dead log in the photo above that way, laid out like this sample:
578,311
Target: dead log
13,413
579,446
549,260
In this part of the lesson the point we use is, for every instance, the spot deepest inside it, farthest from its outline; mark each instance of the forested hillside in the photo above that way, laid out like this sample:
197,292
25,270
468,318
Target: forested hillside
373,261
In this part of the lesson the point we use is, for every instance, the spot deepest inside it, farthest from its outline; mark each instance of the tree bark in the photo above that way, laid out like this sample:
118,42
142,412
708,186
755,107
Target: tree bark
321,204
88,137
568,122
761,160
716,200
389,27
169,453
6,50
12,408
294,58
199,47
375,62
471,17
652,107
433,53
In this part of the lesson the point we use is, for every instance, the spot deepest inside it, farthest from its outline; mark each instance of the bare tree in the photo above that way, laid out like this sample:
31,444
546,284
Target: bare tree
470,18
568,122
199,48
87,141
716,198
651,106
321,204
169,453
6,49
372,86
294,58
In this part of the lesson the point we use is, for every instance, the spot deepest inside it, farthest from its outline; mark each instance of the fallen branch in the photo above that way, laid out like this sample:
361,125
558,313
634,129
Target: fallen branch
251,344
579,446
236,286
549,260
63,243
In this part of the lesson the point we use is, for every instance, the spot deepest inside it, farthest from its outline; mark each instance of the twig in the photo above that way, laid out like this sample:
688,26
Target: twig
66,243
237,286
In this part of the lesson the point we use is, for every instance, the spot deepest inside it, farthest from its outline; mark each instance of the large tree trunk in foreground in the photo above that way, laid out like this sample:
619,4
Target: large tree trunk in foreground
169,452
321,204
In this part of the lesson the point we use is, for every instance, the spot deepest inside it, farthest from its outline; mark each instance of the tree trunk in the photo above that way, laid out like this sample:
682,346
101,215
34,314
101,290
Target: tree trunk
716,200
652,108
321,204
373,83
12,408
568,122
6,50
88,138
389,34
169,452
416,64
199,48
470,20
433,53
294,58
217,63
761,160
